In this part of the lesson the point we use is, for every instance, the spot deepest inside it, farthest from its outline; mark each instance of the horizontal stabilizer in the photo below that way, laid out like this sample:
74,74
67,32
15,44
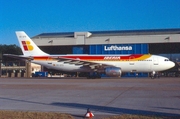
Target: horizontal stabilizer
21,57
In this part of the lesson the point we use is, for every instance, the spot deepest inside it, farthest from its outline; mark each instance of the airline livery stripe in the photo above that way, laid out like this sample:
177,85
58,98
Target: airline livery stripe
97,58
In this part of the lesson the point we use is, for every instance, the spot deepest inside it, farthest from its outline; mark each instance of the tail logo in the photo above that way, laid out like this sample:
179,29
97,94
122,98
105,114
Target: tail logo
27,46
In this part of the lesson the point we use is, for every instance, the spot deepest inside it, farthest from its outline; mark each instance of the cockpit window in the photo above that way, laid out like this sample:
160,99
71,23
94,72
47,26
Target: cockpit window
166,59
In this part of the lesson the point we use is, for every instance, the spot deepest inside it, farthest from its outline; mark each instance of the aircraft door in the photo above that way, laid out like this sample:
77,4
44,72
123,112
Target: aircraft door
131,61
49,60
155,61
132,64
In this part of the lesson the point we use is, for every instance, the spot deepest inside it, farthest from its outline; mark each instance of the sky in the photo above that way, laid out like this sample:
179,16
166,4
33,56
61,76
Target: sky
49,16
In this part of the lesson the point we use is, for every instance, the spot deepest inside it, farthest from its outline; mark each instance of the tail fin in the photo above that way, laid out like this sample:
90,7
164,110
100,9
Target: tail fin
28,47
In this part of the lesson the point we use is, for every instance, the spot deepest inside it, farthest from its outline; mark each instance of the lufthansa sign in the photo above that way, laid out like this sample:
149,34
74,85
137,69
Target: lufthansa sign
115,47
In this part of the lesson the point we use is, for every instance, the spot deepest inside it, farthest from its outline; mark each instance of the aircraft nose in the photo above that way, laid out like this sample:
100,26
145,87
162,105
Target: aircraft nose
171,64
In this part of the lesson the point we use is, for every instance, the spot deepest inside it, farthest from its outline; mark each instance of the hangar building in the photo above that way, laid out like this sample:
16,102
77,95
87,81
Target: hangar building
158,41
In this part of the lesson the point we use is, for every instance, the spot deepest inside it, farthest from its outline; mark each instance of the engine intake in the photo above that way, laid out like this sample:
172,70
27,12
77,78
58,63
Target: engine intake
113,71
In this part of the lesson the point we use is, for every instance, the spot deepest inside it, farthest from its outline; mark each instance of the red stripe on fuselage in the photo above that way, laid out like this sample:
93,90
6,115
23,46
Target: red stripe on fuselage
102,57
89,57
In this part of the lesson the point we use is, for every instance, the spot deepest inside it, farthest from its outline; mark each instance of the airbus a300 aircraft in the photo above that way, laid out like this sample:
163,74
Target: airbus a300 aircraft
111,65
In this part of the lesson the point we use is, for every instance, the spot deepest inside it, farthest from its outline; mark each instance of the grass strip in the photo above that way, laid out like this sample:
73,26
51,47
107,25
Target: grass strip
33,115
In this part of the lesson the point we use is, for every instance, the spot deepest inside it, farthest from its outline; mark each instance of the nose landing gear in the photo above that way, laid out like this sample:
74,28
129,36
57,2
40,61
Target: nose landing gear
154,75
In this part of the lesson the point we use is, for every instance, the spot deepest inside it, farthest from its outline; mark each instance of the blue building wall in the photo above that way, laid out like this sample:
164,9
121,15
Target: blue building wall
115,49
119,49
80,49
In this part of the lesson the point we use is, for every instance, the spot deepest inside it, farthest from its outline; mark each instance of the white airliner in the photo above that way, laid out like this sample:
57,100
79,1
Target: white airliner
111,65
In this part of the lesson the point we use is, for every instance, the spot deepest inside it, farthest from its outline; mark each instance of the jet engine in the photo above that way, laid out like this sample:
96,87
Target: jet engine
113,71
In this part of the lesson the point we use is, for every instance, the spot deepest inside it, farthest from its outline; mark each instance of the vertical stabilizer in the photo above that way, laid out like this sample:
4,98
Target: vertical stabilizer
28,47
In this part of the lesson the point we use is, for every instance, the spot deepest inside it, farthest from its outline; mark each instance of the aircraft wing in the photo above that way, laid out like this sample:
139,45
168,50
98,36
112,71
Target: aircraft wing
93,65
21,57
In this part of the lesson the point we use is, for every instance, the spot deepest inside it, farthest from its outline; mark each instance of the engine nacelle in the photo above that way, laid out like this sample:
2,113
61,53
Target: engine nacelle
113,71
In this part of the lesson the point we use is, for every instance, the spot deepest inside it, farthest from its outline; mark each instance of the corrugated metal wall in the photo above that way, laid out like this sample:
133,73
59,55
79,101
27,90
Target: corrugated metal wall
80,49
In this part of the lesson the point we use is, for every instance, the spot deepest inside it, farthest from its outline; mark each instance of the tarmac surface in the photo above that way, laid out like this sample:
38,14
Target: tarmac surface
104,97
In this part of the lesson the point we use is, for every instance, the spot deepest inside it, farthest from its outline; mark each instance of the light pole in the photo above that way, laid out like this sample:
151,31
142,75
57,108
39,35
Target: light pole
0,67
0,64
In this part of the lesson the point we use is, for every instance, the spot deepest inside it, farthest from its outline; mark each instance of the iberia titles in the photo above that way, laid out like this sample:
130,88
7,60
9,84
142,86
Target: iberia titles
112,58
